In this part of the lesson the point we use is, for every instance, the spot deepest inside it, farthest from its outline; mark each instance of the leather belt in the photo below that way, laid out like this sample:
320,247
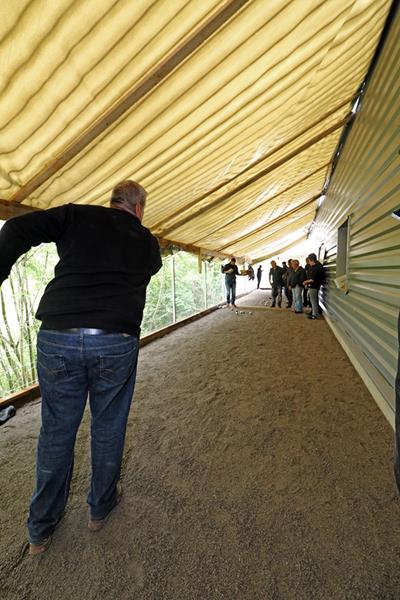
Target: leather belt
85,330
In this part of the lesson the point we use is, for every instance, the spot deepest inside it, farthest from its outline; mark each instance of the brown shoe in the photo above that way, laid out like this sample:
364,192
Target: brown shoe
97,524
40,547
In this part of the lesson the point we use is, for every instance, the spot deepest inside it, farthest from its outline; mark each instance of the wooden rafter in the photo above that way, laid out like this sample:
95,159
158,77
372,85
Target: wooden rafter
9,209
171,62
267,201
282,217
248,181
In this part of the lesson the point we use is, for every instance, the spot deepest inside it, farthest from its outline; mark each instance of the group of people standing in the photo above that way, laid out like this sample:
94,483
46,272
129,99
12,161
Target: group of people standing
300,284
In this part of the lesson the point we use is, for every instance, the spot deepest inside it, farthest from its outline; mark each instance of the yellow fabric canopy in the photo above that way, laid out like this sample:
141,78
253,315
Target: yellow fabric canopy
227,112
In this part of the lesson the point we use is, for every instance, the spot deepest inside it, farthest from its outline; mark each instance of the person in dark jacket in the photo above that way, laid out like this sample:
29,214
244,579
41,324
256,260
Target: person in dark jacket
295,282
313,283
306,301
88,343
259,274
276,283
230,271
287,269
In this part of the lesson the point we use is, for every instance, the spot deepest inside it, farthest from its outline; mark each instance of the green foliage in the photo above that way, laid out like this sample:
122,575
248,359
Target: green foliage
20,294
190,291
19,297
158,310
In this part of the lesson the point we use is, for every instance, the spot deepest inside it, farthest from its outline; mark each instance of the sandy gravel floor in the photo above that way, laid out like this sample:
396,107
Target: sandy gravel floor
257,467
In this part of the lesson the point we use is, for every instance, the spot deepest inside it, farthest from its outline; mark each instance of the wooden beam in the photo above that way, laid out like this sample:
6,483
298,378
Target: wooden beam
125,103
283,249
9,209
199,261
261,240
273,222
262,203
252,179
192,248
258,161
21,397
267,201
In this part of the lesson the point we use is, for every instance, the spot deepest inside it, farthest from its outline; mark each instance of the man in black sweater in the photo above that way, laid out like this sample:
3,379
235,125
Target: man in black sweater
88,342
295,282
287,270
313,283
276,283
259,275
230,271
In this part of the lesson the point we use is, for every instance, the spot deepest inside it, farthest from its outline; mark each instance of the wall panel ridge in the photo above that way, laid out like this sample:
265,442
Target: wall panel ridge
365,187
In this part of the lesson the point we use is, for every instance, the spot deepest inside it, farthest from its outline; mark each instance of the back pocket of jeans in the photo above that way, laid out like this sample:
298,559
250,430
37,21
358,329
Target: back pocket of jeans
51,367
117,368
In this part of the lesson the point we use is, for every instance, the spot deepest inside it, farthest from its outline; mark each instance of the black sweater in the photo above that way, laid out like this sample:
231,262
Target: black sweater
296,277
276,276
230,277
106,260
317,274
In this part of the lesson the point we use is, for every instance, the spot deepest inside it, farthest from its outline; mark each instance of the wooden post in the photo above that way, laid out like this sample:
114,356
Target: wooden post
199,261
173,290
10,209
205,284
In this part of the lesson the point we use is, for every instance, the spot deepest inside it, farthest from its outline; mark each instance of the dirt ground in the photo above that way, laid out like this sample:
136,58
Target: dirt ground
257,467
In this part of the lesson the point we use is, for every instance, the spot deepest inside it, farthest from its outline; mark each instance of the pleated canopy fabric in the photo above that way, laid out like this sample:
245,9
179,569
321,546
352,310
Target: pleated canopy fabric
227,112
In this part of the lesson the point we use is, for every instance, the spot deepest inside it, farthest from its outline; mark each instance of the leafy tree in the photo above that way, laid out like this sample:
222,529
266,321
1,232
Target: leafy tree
19,296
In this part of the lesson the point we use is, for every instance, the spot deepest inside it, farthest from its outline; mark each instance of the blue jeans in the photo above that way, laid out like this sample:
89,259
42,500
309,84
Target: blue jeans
71,367
297,298
276,293
230,291
313,295
289,296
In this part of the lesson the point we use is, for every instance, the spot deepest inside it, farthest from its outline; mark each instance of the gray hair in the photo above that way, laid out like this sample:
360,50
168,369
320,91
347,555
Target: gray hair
129,192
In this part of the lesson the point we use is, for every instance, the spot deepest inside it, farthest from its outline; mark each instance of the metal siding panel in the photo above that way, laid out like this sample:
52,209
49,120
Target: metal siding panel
366,185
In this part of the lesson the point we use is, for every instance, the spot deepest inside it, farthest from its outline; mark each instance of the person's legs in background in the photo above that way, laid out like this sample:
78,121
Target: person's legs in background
297,299
313,295
233,293
289,296
279,295
228,288
274,293
306,301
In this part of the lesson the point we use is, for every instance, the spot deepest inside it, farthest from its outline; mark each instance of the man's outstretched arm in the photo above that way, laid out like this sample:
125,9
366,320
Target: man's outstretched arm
155,256
19,234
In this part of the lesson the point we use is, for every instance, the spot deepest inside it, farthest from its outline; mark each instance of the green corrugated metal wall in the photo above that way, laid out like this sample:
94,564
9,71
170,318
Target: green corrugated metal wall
366,186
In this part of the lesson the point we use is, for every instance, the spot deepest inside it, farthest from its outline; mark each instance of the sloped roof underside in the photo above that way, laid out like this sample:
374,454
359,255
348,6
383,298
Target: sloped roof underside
227,112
